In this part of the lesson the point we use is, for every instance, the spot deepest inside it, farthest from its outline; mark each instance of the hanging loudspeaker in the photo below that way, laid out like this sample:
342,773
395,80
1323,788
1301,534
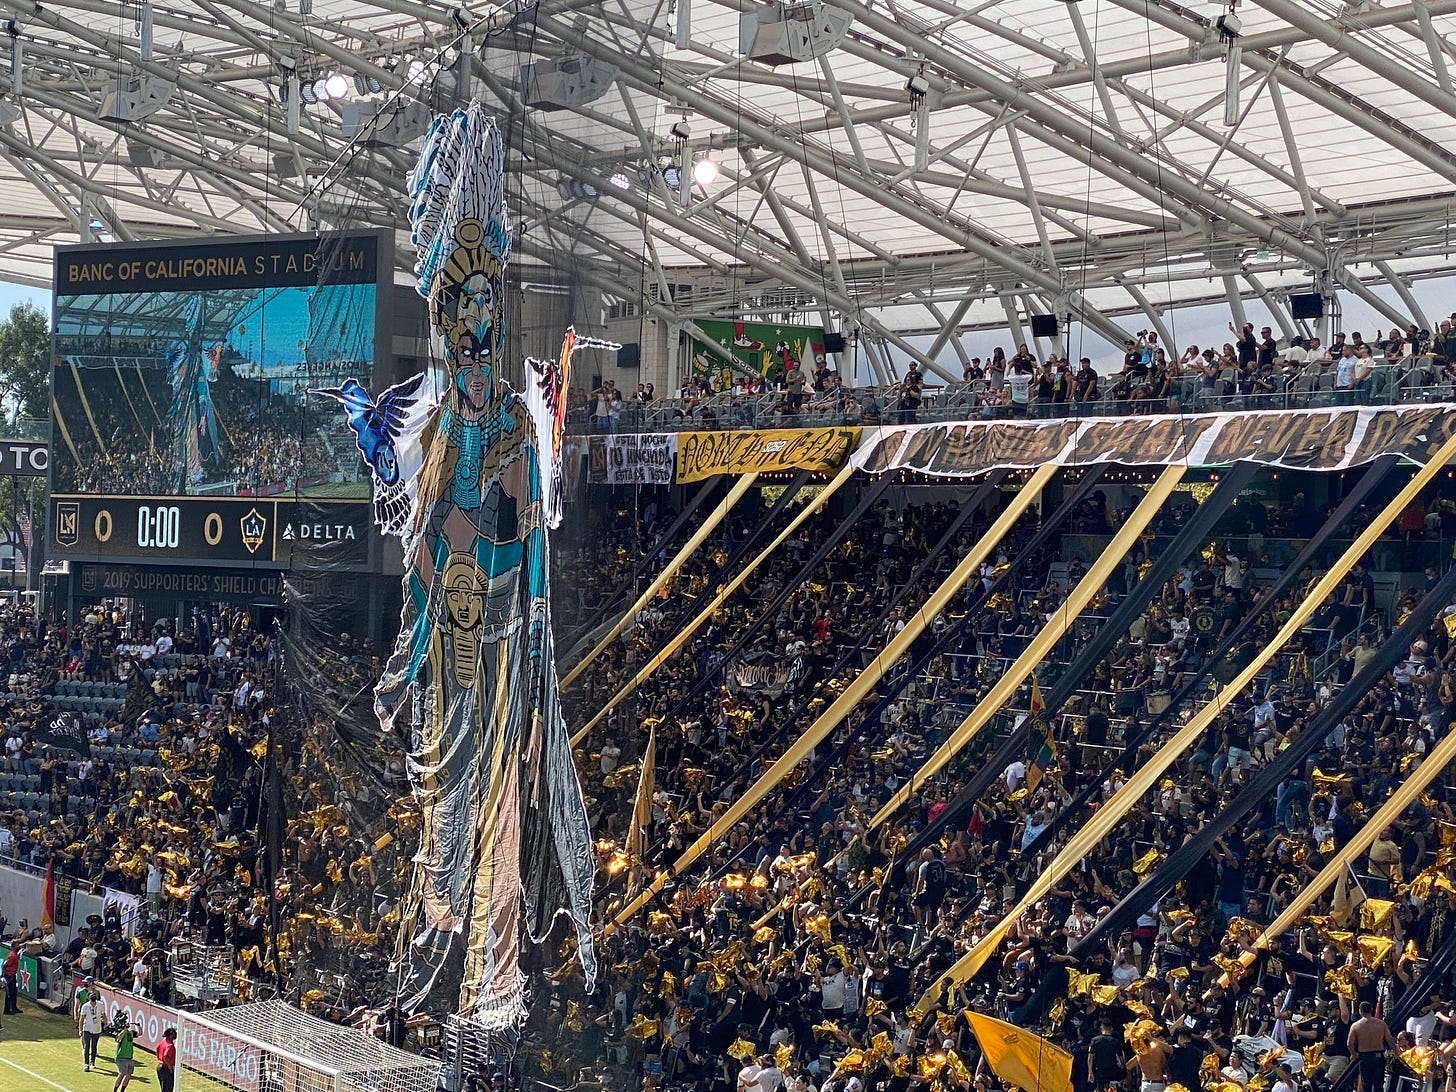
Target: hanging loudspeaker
1307,305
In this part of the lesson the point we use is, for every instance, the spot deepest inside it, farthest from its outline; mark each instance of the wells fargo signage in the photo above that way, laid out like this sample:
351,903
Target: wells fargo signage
705,454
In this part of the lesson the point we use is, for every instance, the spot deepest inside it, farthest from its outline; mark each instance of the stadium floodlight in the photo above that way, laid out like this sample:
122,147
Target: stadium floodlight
337,85
620,181
565,82
672,176
572,189
134,98
417,73
791,33
367,85
705,172
306,93
321,90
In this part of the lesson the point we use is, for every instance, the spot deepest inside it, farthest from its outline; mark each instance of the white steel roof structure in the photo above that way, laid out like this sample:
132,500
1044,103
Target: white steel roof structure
1067,157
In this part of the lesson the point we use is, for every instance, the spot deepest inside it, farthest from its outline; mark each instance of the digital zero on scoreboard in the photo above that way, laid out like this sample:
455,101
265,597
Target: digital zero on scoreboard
160,527
212,530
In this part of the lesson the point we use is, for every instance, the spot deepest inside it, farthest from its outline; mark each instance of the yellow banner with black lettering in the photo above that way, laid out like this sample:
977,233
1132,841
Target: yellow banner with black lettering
707,454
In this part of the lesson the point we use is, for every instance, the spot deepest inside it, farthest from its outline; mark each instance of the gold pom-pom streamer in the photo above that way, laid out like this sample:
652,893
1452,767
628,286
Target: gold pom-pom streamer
1140,1035
1373,950
1230,966
1324,782
1080,985
741,1049
818,925
1418,1059
931,1064
1145,864
1342,981
1376,915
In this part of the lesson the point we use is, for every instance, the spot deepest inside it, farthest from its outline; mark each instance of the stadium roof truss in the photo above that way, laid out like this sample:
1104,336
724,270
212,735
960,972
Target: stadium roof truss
945,165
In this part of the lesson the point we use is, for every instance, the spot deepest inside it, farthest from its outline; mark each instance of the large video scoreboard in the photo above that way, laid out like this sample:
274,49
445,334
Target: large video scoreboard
185,430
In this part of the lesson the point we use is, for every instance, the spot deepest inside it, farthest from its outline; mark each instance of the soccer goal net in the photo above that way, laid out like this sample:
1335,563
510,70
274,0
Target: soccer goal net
274,1047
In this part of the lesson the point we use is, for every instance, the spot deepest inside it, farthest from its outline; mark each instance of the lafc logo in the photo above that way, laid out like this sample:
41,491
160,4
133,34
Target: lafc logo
254,526
68,522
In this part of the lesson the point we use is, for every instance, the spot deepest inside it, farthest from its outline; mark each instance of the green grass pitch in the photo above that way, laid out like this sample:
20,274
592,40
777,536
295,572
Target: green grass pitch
40,1051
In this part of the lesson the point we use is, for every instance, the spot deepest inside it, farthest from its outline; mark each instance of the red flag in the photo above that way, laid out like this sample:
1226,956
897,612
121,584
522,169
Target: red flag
1037,705
48,900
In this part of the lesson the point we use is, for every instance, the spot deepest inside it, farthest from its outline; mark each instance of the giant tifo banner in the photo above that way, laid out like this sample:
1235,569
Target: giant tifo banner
765,349
203,1049
706,454
644,458
1324,439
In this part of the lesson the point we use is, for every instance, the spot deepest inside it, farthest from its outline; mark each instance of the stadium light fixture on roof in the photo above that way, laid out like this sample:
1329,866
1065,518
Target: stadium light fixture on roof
705,172
338,86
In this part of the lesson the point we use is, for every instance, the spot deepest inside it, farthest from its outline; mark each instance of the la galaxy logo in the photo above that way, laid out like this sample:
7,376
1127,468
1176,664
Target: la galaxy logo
254,526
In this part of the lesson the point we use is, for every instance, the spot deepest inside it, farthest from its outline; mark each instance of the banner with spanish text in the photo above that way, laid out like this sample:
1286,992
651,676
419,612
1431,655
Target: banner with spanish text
632,459
706,454
1318,439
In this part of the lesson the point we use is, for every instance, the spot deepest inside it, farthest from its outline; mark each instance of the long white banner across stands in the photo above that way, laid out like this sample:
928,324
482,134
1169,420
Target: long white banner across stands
1323,439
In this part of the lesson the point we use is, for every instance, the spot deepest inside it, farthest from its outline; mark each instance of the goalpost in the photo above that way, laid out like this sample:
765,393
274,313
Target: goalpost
273,1047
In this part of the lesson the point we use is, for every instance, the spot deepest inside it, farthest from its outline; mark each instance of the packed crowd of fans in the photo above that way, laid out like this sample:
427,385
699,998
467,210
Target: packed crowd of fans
268,440
1253,370
798,951
134,765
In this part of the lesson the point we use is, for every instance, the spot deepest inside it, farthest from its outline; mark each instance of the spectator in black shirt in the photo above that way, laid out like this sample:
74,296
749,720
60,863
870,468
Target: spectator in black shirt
1185,1059
1248,348
1105,1066
1268,348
